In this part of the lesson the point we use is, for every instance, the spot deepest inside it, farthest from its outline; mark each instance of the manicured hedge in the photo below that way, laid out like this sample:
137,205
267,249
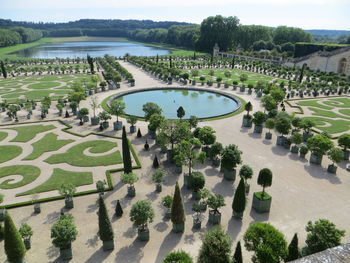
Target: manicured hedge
304,49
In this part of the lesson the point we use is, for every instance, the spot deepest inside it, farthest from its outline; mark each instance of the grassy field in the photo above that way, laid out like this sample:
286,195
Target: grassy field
37,87
235,74
3,135
60,177
27,133
331,115
75,155
48,143
29,174
9,152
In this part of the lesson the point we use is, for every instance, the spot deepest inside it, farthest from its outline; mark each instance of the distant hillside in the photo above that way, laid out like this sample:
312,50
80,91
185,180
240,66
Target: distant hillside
328,33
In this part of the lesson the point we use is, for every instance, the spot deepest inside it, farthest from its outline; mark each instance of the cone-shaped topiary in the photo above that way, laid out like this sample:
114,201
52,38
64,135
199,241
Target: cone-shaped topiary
293,250
155,162
14,246
67,114
239,200
237,256
139,135
126,153
118,209
1,232
177,207
105,227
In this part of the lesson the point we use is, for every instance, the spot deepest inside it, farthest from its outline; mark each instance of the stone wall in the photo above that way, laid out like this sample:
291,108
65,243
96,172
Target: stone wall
325,63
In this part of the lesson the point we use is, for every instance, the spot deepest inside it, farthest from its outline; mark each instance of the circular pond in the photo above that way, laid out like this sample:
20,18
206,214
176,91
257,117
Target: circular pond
197,102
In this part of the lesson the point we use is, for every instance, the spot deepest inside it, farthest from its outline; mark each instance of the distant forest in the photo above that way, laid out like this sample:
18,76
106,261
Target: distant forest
226,31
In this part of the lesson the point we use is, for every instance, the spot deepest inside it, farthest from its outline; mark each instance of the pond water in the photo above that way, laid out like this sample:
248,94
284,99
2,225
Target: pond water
202,104
94,49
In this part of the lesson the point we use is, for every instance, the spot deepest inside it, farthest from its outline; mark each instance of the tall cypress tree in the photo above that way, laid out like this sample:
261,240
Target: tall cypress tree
126,153
105,227
239,200
177,207
91,63
233,63
14,246
237,256
293,250
3,69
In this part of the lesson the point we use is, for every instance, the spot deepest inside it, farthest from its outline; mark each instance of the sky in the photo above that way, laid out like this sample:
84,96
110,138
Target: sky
306,14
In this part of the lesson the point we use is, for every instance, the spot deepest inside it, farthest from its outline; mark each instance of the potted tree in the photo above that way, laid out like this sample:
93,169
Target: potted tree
141,214
186,153
303,151
104,116
130,179
306,125
258,119
262,200
68,190
344,141
336,155
230,158
155,121
63,233
246,172
207,137
84,114
296,138
117,108
158,178
105,230
167,202
239,200
218,80
37,208
247,119
215,201
282,126
197,217
94,105
202,79
177,211
318,146
26,232
196,183
214,151
269,124
132,121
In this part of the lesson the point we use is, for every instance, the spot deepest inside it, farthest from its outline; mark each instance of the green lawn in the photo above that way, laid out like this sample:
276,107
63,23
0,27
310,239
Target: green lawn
75,156
39,86
253,78
337,126
48,143
3,135
60,177
314,103
29,174
27,133
326,113
338,102
44,85
9,152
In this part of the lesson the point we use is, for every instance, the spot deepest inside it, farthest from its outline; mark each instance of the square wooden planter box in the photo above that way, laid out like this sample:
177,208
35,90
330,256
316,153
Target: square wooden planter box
261,206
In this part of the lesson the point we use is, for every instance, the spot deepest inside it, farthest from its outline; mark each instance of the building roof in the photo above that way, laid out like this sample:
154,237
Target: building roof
340,254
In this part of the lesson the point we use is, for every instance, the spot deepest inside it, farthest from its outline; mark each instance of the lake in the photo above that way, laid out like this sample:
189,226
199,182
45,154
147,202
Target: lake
93,48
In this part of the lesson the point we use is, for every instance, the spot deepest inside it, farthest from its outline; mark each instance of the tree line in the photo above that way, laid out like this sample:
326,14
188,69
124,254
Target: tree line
18,35
226,31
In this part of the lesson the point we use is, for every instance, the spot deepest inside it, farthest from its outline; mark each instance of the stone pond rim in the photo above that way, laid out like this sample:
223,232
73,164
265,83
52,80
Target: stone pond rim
235,98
